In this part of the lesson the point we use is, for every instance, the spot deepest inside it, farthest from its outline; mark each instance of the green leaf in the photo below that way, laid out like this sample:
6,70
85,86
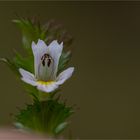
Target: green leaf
61,127
18,61
26,63
30,32
64,60
10,64
46,117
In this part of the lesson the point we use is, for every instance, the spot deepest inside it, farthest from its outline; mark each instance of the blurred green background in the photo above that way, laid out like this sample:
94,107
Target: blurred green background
106,54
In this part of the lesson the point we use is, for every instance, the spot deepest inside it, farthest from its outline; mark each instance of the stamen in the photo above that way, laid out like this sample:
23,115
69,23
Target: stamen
49,59
43,62
49,62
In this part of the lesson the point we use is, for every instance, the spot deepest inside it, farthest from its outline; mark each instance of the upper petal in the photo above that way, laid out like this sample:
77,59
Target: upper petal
39,46
63,76
38,50
27,77
55,51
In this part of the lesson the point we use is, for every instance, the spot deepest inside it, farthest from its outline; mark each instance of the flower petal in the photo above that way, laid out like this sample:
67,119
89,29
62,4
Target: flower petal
28,81
55,51
28,77
47,88
63,76
38,50
39,46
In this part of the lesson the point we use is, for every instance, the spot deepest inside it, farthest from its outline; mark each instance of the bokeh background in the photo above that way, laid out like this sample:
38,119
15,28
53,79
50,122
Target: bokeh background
106,54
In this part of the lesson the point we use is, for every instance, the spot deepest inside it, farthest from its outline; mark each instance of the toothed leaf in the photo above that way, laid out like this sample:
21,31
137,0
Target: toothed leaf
64,60
48,116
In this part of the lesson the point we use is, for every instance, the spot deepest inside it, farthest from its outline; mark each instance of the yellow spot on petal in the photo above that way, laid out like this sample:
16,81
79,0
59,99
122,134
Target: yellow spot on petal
45,83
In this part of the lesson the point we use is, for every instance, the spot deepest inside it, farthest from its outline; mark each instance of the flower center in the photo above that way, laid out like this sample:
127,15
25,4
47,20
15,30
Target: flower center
45,83
46,58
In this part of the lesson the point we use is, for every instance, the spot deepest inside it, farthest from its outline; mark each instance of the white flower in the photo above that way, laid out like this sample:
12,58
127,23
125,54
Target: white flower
46,59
